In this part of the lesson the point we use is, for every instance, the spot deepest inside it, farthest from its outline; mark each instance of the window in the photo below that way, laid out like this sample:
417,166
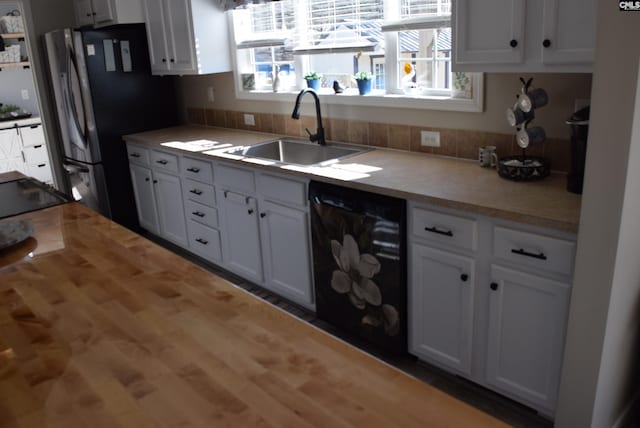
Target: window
404,44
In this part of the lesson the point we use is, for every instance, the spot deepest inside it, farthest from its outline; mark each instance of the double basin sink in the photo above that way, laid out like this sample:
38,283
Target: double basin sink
296,152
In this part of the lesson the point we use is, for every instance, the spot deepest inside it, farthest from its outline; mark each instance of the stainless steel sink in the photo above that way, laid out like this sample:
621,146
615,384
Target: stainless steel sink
296,152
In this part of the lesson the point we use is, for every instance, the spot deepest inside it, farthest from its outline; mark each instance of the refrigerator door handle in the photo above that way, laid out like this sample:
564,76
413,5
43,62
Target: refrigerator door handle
68,99
74,168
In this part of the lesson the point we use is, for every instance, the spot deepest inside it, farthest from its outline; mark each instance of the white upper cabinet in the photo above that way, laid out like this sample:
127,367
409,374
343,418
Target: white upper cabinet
187,37
520,36
490,31
568,36
107,12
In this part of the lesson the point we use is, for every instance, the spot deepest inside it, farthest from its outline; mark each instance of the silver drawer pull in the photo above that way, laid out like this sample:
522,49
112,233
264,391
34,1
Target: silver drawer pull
522,252
198,213
439,231
162,162
196,192
202,241
194,170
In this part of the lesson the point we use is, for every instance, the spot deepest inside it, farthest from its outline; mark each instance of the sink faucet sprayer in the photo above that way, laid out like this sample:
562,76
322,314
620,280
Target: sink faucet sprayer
319,135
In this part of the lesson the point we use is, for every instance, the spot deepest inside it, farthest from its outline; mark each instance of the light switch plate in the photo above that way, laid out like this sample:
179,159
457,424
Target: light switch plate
430,138
25,94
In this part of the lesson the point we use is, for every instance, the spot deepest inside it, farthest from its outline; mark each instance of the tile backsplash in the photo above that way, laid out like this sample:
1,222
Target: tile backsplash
459,143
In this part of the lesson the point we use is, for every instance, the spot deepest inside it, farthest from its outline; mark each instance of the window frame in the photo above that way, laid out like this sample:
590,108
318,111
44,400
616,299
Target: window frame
377,98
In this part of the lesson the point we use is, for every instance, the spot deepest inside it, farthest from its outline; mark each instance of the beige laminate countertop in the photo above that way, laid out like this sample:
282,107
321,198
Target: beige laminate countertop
449,182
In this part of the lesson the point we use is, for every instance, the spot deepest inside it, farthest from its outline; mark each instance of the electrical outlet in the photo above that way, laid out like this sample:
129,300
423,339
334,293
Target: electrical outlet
211,96
25,94
430,138
250,120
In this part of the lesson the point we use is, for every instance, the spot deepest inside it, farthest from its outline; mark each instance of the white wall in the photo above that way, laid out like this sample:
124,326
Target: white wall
40,17
500,91
601,354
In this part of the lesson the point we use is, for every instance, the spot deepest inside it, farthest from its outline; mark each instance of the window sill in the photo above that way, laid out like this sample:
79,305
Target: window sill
351,97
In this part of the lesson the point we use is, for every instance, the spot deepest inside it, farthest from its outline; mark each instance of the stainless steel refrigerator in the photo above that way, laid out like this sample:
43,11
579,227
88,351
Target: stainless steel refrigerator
103,90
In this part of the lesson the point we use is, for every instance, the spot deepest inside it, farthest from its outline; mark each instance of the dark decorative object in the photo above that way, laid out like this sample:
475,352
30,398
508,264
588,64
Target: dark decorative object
337,87
360,264
520,116
522,168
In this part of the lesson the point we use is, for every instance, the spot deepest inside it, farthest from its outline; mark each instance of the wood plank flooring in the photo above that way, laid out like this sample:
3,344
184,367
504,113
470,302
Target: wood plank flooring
103,328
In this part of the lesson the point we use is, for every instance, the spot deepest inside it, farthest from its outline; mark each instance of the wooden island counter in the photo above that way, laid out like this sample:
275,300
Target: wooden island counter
100,327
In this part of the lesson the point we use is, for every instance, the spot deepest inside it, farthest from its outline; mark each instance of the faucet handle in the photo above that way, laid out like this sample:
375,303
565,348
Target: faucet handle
312,137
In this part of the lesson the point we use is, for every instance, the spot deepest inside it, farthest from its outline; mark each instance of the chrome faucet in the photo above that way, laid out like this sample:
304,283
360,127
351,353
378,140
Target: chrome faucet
319,135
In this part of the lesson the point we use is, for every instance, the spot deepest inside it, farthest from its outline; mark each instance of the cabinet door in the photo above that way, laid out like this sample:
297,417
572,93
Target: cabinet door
171,217
84,12
156,35
489,32
242,238
568,34
441,302
11,152
103,11
180,43
145,199
527,322
286,253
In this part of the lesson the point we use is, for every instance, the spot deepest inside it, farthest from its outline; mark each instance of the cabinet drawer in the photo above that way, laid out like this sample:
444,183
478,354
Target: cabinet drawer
36,154
199,192
282,190
204,241
444,228
166,161
40,171
32,135
201,213
196,169
537,251
235,178
138,154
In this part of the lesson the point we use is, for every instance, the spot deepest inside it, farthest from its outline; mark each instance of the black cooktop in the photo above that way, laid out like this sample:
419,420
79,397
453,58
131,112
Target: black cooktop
27,194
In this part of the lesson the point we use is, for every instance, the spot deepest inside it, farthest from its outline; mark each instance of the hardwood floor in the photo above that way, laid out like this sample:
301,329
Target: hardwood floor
100,327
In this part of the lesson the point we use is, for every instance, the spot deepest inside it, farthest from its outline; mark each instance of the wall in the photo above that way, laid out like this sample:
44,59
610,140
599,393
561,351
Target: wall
41,17
460,133
13,80
600,371
500,90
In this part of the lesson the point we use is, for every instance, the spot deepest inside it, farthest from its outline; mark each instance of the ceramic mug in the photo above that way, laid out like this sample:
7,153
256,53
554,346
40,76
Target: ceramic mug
533,99
515,116
527,136
487,156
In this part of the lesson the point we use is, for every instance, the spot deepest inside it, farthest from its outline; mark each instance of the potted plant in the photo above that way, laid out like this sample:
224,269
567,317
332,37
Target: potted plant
363,79
313,80
461,85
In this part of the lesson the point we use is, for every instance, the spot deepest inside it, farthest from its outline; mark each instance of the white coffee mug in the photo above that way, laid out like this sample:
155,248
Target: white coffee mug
487,156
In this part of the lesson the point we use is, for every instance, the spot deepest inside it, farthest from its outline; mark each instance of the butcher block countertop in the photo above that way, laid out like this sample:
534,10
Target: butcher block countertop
100,327
448,182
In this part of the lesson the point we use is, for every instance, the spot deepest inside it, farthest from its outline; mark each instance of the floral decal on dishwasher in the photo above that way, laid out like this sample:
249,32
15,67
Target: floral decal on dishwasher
354,277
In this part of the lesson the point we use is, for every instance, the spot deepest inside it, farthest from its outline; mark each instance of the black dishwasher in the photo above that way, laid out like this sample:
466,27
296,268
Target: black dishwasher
360,263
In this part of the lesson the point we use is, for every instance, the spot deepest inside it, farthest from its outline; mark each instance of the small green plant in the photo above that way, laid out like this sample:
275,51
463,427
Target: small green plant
312,76
460,80
8,108
363,75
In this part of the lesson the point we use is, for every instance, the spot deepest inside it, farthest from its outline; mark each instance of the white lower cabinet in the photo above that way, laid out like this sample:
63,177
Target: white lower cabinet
441,303
527,323
145,198
285,241
241,249
168,193
495,315
158,193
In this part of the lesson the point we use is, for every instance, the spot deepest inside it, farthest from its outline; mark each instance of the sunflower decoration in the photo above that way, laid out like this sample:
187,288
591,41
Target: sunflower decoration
408,68
407,80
